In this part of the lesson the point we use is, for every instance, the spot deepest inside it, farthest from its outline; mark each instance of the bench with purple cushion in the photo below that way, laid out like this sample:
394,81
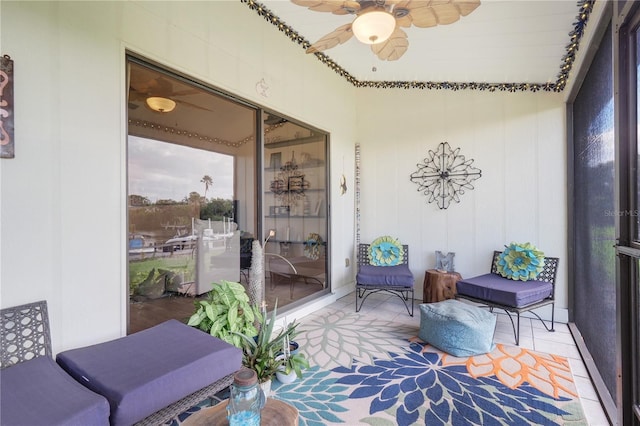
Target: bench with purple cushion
144,372
370,279
34,390
39,392
496,291
145,378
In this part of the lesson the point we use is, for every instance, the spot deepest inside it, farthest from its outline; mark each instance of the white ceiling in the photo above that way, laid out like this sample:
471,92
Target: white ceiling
502,45
514,41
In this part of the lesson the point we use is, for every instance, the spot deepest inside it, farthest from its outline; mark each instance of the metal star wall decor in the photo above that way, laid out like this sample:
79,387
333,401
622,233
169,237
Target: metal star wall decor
444,175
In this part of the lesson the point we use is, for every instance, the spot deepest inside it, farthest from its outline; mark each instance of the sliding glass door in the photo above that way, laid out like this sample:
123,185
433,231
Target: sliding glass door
208,174
296,210
627,72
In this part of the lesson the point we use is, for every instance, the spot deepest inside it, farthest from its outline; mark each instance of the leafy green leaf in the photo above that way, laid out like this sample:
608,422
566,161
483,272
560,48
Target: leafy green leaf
216,327
232,315
197,318
211,313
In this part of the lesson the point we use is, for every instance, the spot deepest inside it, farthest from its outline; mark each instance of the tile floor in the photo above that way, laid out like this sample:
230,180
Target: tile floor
533,336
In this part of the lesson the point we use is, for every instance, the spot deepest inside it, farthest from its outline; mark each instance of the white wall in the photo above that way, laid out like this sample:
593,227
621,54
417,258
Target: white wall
516,139
63,198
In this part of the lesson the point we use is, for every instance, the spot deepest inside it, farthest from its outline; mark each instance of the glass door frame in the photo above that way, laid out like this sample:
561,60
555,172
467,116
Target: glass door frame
257,218
627,22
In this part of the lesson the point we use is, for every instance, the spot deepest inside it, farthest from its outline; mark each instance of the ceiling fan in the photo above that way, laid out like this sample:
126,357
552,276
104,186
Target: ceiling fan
272,120
385,19
159,94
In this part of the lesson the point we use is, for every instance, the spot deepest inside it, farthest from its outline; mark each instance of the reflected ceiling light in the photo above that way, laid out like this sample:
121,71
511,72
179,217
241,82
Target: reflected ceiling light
160,104
373,27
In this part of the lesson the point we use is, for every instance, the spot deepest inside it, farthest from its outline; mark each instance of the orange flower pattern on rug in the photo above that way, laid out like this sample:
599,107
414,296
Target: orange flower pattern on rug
513,366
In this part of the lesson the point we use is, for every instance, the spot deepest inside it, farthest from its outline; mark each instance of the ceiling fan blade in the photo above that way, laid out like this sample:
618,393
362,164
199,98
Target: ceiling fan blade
404,21
466,6
340,35
192,105
421,14
135,95
393,48
446,12
159,86
401,10
436,12
186,92
337,7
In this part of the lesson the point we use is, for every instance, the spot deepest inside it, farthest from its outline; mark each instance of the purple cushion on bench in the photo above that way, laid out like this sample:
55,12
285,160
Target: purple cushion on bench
39,392
494,288
149,370
392,276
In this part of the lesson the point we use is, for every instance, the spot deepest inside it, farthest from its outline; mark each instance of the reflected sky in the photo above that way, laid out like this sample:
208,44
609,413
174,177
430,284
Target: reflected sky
161,170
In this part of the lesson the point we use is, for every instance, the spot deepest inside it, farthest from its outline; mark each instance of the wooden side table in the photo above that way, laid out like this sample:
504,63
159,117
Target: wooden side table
274,413
439,285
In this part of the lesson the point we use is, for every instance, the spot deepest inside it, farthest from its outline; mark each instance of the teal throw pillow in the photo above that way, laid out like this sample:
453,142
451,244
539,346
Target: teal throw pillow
386,251
312,246
520,262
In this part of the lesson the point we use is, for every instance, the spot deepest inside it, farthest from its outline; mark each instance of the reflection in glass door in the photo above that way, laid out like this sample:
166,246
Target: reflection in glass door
295,207
191,188
197,186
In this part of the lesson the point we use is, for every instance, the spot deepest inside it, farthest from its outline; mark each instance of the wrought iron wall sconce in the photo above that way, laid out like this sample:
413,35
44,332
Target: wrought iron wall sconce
444,175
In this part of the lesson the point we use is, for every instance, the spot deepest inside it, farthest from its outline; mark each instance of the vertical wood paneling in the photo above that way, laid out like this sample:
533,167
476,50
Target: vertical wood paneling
504,133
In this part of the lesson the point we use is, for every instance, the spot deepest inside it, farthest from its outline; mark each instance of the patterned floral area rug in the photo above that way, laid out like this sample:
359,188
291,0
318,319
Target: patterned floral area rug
367,371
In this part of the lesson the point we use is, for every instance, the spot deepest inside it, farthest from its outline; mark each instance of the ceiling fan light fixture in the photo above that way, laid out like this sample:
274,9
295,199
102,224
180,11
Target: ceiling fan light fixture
373,27
160,104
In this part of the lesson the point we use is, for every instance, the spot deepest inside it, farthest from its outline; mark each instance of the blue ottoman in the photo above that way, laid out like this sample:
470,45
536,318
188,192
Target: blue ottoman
457,328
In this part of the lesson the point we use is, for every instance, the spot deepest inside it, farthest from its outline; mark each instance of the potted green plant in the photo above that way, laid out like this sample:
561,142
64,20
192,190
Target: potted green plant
263,353
291,367
227,312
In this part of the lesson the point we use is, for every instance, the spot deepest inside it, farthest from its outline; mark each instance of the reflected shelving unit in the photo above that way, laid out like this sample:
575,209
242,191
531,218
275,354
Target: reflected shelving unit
295,206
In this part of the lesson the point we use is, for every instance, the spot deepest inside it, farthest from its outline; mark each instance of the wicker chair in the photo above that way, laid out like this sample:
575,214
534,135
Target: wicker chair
494,291
25,335
34,389
396,280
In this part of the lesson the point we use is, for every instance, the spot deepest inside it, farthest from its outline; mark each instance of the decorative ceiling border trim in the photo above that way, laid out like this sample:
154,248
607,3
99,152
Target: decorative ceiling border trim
585,7
205,138
188,134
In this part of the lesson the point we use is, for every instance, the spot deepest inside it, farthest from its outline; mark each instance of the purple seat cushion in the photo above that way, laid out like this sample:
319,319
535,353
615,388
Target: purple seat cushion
497,289
39,392
392,276
146,371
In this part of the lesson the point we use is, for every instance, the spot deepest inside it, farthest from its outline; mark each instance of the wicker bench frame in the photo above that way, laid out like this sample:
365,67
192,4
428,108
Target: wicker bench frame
363,290
548,274
25,334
